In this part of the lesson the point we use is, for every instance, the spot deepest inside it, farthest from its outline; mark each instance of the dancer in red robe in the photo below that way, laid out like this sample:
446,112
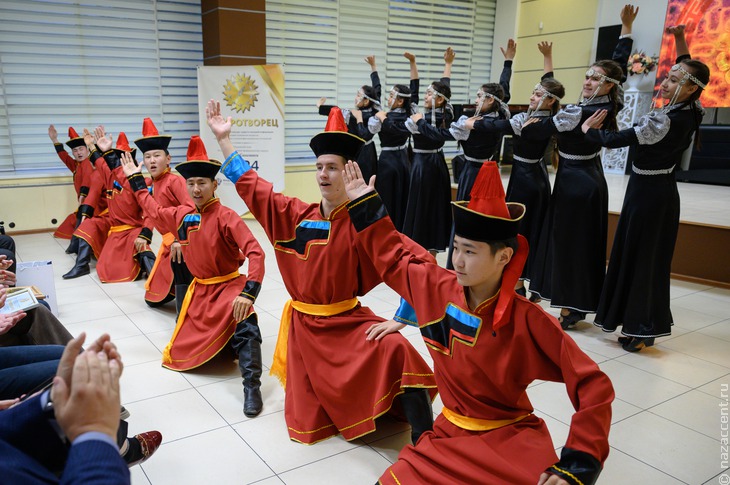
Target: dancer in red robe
342,366
81,168
218,305
169,190
488,344
126,251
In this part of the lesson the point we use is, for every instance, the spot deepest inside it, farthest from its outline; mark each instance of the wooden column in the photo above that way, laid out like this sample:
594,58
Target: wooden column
234,32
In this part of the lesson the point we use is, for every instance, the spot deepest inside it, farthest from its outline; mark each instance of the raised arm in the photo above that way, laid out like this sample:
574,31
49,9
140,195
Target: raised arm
680,41
546,49
62,154
374,77
449,56
504,78
625,42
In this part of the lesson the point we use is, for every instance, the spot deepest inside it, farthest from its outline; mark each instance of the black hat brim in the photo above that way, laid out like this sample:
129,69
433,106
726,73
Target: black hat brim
76,142
199,168
132,152
336,143
476,226
157,142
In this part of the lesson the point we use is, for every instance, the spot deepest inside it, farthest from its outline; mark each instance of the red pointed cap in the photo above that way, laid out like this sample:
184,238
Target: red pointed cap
198,164
122,142
149,128
487,194
335,138
151,138
335,120
74,139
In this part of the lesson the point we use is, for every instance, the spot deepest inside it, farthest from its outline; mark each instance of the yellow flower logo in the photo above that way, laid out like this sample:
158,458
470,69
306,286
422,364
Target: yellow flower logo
240,93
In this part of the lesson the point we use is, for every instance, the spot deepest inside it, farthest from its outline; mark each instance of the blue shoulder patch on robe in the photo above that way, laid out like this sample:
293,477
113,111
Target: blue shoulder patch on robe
191,222
456,325
306,234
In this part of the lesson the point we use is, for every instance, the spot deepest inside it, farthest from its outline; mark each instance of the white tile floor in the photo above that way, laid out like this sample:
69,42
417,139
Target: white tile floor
666,425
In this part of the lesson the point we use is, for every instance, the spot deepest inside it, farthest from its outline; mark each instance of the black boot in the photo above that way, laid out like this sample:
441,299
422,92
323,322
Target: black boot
417,408
73,246
180,291
81,267
249,361
146,261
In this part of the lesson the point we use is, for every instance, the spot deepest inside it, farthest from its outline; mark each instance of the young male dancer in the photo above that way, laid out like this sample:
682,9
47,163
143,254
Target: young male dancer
218,305
488,345
341,365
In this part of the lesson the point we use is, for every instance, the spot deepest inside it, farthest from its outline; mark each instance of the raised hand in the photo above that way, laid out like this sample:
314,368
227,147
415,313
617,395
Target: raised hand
321,101
53,134
449,55
511,50
676,29
88,139
355,185
409,56
130,168
545,48
103,141
220,126
628,15
371,60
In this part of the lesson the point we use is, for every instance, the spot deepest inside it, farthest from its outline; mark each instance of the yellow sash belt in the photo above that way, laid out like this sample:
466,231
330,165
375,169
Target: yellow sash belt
167,241
122,228
278,367
476,424
166,359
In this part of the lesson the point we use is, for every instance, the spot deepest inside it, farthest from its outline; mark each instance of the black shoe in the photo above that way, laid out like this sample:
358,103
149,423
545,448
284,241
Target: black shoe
249,362
573,317
635,344
81,267
73,246
535,298
521,291
180,291
417,408
146,261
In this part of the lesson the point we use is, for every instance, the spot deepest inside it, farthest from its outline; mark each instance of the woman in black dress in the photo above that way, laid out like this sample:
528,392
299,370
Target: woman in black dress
428,210
367,103
636,291
529,183
569,263
393,164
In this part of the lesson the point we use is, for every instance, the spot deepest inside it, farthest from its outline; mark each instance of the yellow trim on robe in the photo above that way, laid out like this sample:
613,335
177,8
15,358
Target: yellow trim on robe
477,424
278,367
166,358
122,228
167,240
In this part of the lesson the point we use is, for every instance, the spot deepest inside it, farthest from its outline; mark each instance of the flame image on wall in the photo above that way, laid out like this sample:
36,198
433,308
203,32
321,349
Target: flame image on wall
708,35
240,93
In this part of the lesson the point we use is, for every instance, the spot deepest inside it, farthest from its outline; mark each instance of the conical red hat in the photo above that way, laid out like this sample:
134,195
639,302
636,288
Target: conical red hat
72,133
123,143
74,139
487,194
149,128
196,149
335,120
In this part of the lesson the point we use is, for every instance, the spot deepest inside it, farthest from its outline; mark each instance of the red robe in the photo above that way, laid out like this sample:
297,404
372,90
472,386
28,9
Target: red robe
336,381
169,190
215,243
117,261
483,372
95,229
82,181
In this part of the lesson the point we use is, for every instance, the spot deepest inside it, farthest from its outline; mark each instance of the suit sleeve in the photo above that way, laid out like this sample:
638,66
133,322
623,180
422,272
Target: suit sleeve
94,463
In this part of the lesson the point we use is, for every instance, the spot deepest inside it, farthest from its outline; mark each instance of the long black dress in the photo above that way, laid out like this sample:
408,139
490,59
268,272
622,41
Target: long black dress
428,210
368,157
393,163
636,292
529,183
569,263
